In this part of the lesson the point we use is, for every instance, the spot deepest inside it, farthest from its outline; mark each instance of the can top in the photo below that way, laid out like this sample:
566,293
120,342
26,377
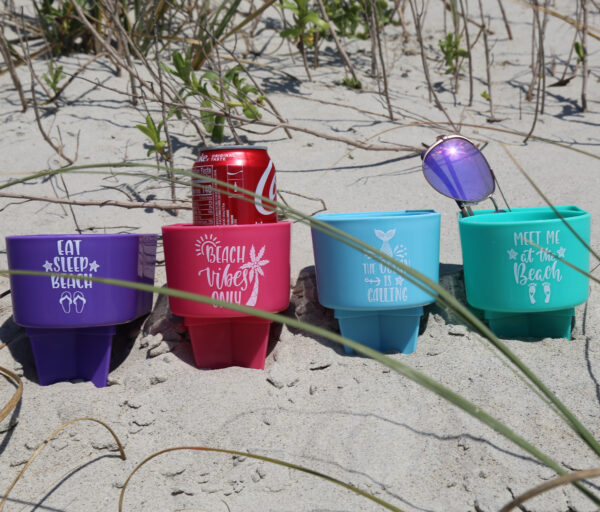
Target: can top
221,148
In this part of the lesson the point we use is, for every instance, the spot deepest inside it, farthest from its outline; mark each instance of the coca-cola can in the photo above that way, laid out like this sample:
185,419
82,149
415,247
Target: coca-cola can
244,167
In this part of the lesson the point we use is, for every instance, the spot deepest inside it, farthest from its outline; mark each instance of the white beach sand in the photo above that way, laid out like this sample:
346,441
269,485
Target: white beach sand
348,417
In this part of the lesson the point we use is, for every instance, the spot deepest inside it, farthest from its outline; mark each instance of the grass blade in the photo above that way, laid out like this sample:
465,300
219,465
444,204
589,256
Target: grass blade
394,365
45,443
271,460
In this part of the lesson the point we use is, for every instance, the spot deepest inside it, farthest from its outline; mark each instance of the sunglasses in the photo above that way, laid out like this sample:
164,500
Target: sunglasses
456,168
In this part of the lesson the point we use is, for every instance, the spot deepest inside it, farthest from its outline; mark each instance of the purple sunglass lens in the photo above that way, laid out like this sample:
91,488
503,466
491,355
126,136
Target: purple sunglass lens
456,168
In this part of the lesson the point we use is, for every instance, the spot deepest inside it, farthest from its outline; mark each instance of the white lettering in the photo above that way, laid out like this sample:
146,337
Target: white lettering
524,275
387,295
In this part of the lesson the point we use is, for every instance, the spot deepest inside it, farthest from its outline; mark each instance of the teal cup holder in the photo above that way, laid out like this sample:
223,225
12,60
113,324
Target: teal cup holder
375,306
522,290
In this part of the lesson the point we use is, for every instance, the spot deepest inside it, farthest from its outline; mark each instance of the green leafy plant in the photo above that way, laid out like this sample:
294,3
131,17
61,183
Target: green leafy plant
350,82
212,29
62,29
451,50
144,20
350,17
580,51
54,76
226,92
307,24
347,16
152,131
485,95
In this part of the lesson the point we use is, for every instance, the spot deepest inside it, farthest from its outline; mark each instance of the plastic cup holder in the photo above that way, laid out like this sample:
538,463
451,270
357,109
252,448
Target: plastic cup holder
375,306
512,275
70,321
247,264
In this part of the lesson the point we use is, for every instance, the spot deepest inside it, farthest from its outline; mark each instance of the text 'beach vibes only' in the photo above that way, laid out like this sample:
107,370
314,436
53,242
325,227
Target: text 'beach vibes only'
230,270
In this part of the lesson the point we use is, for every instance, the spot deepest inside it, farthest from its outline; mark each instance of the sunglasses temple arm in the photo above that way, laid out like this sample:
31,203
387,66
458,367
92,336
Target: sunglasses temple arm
465,210
501,192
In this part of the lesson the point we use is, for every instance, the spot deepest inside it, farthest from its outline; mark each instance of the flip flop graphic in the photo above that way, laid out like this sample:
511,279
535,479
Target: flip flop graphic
65,301
79,301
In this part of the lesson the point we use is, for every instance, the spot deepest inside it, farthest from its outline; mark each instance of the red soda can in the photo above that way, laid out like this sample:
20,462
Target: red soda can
247,167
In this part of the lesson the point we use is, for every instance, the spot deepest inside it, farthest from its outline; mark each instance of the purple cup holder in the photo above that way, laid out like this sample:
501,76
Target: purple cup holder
70,321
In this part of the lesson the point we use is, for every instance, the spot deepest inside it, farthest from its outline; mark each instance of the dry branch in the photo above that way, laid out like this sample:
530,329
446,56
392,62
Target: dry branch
337,41
72,76
108,202
584,34
505,19
16,398
11,69
418,28
551,484
556,14
472,21
381,58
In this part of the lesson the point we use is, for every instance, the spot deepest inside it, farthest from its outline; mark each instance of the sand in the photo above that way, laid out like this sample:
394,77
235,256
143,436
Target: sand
346,416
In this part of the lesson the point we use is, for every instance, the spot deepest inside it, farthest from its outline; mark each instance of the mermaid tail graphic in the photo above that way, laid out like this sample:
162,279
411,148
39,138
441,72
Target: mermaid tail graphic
385,238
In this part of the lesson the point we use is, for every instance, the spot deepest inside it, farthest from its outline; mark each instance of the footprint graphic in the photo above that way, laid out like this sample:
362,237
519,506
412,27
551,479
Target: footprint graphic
546,292
532,287
79,301
65,301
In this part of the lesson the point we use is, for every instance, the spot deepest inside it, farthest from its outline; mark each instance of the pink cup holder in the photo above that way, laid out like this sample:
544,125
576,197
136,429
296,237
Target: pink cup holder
246,264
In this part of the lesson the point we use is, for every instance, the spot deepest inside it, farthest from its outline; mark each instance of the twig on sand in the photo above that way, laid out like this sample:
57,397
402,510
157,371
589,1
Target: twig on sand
72,76
62,179
584,474
417,20
584,76
57,148
11,69
448,6
539,68
505,19
469,54
337,41
558,15
318,199
377,30
488,66
109,202
163,109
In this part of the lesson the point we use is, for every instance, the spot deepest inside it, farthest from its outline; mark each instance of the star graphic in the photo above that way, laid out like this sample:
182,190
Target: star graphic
512,254
94,266
47,266
561,252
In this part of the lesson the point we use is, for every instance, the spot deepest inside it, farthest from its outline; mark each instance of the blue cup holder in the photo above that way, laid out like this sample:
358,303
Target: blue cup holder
375,306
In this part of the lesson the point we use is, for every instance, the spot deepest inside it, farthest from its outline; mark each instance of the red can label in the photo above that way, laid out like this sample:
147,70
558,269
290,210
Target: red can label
247,168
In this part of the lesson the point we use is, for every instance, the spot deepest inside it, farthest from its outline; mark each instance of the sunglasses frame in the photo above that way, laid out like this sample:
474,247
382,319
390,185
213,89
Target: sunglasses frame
463,205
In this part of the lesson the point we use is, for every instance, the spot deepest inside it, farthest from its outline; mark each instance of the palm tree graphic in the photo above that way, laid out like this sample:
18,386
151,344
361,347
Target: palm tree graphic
255,265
